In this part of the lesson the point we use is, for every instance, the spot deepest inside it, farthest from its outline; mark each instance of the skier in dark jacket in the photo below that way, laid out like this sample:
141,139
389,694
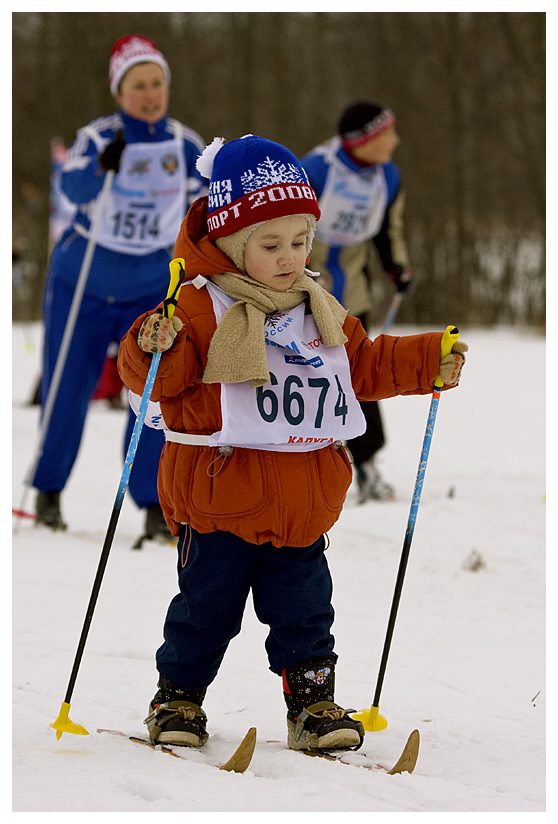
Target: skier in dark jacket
361,201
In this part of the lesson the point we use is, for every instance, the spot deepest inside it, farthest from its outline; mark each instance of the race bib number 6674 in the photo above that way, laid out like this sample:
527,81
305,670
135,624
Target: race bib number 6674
297,399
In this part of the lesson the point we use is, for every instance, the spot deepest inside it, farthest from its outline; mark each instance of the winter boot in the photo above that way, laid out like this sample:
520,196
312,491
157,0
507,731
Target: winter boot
176,717
314,721
155,525
371,486
47,508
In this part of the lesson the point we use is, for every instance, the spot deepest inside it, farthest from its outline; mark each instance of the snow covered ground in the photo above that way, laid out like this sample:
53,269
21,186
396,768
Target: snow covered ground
467,663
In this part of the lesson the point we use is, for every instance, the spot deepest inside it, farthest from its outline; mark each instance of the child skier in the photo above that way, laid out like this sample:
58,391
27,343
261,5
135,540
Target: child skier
258,389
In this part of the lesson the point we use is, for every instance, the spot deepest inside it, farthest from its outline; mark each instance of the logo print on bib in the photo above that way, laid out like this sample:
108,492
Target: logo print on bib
140,167
170,163
300,360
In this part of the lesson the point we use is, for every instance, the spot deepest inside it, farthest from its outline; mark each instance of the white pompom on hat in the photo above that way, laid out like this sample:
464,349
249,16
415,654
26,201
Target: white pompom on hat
130,50
204,163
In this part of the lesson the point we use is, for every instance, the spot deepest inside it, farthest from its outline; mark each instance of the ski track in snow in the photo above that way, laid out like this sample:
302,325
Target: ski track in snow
467,662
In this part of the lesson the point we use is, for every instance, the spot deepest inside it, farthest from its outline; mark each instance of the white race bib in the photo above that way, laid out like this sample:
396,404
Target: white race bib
352,205
153,416
145,206
309,402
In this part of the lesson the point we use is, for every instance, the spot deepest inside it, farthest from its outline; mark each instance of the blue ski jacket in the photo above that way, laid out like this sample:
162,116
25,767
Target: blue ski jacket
317,165
116,277
371,211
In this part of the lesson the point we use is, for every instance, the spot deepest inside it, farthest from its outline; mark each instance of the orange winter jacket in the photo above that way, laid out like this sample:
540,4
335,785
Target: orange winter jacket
288,498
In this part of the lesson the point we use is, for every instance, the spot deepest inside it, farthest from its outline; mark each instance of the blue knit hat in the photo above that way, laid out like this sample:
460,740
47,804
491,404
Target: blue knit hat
253,180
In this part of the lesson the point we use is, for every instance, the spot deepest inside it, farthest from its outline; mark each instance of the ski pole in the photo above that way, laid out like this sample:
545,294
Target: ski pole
63,723
392,312
371,719
67,337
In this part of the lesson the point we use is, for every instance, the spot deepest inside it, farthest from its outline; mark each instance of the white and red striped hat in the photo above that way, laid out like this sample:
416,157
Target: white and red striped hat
130,50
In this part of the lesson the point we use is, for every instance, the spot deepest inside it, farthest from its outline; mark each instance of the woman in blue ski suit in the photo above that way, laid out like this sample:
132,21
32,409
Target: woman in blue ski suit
155,182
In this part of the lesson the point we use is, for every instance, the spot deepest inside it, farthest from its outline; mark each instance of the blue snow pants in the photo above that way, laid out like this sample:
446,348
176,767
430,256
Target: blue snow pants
291,590
98,324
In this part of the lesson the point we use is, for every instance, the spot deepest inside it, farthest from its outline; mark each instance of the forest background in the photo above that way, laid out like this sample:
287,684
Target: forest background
468,90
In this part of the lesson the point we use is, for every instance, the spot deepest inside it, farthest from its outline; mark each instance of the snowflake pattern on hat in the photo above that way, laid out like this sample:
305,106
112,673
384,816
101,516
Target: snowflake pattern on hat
252,180
269,173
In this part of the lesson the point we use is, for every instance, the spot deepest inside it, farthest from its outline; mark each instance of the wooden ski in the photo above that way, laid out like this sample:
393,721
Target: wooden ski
238,762
406,762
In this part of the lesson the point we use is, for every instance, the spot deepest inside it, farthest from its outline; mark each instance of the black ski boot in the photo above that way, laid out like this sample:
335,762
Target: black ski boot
371,486
155,525
176,717
156,528
314,721
47,508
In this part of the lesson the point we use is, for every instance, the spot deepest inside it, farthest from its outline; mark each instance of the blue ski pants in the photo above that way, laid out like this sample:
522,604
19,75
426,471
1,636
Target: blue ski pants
98,324
291,591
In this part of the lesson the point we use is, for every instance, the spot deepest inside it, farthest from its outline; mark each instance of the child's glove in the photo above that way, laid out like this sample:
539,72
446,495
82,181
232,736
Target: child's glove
157,333
452,364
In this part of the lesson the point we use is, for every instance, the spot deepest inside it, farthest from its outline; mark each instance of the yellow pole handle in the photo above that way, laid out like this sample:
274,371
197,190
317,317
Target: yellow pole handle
450,336
176,267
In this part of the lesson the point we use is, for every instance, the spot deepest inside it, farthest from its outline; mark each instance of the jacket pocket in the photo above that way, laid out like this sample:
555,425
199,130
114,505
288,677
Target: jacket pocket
228,487
334,471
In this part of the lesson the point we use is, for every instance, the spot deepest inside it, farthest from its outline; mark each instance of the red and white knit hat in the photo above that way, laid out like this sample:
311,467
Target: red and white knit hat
364,121
253,180
130,50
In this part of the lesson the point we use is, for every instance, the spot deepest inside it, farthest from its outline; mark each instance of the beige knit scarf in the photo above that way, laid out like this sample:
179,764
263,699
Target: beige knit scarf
237,351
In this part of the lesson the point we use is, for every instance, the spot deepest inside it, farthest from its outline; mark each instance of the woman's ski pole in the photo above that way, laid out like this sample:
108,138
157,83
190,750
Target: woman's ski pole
66,339
371,719
63,723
